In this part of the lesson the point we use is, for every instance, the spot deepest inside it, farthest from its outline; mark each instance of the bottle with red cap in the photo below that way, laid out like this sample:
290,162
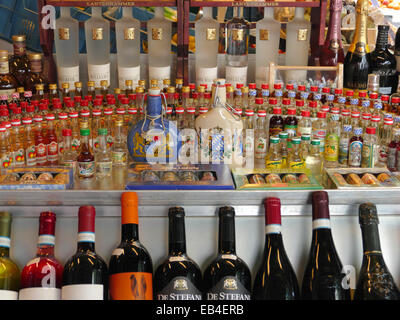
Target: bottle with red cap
290,125
312,106
395,105
131,267
5,149
323,276
252,94
238,99
85,275
355,119
74,125
315,95
68,156
61,124
51,140
275,279
17,143
384,142
260,135
302,93
108,123
264,92
370,149
276,122
365,120
40,142
29,142
332,140
278,92
41,278
319,128
304,126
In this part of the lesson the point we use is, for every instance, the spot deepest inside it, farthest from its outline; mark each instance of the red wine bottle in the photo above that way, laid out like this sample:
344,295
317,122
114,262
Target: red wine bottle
375,281
41,278
131,267
323,277
275,279
332,50
178,277
227,277
85,273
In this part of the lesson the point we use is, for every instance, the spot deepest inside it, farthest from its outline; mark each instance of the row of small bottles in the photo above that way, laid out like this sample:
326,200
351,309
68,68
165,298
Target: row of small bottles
86,275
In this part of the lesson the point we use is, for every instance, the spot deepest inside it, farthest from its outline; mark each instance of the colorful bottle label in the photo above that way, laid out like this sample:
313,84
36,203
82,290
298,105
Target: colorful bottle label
343,151
86,169
131,286
104,168
110,141
19,157
179,288
332,147
75,144
52,152
296,164
228,288
61,148
368,155
274,131
30,155
355,153
118,156
82,292
260,148
274,164
383,155
5,161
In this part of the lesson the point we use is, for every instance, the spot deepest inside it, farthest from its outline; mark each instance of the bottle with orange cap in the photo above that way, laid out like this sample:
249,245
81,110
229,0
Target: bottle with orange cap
131,267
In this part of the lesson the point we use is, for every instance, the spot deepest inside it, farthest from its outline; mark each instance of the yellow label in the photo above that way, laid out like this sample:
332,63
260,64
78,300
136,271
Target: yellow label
4,67
302,35
296,165
97,34
211,34
264,34
63,34
273,164
156,33
129,34
238,34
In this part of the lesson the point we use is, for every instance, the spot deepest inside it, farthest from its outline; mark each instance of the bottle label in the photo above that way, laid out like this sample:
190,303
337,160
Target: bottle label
118,157
129,34
302,34
104,168
160,73
99,72
321,224
304,130
273,229
8,295
128,73
343,151
206,75
40,294
19,157
86,169
383,155
332,147
131,286
368,155
296,164
63,33
355,150
5,242
179,288
30,155
75,144
46,239
68,75
228,288
274,131
4,67
264,34
156,34
273,164
52,152
260,148
97,34
235,75
5,161
86,237
385,90
211,34
82,292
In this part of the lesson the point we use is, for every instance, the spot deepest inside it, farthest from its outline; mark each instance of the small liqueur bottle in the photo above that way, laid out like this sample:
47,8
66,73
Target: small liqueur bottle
314,160
295,159
85,160
35,75
274,157
276,123
305,145
392,162
290,125
369,154
8,83
30,152
344,145
355,148
68,155
103,158
260,136
283,149
119,151
51,140
19,63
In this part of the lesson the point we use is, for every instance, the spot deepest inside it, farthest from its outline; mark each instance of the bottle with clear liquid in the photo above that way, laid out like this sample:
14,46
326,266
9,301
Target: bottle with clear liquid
274,157
207,39
314,160
97,31
260,139
127,31
237,32
297,45
267,42
159,40
69,156
119,151
102,156
295,159
344,145
332,139
66,40
370,148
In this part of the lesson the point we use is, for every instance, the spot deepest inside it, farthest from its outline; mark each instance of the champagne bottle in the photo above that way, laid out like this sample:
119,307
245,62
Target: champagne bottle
323,276
358,61
275,279
375,281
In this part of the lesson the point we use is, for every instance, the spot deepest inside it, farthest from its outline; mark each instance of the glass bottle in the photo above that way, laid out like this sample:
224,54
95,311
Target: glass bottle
260,136
305,145
35,75
355,148
5,150
19,63
290,125
74,125
85,161
119,150
314,160
51,140
344,145
370,148
319,128
8,83
103,159
283,149
304,126
276,123
273,159
295,159
40,142
332,140
393,163
17,143
69,155
384,142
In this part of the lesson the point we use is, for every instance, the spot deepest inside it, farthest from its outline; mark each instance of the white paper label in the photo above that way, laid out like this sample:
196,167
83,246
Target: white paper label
262,76
99,72
8,295
206,75
68,75
273,228
385,90
5,242
128,73
117,252
86,237
177,259
40,294
47,239
321,224
82,292
235,75
229,256
160,73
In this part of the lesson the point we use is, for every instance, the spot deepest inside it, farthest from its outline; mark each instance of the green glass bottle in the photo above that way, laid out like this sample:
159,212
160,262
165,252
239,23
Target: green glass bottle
9,271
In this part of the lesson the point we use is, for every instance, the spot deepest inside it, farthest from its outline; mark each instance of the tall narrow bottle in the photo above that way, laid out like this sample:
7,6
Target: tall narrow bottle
9,271
19,63
207,39
97,31
85,273
178,277
375,281
159,31
8,83
41,277
323,278
237,31
67,48
227,277
357,63
397,51
131,267
297,45
127,30
275,279
267,45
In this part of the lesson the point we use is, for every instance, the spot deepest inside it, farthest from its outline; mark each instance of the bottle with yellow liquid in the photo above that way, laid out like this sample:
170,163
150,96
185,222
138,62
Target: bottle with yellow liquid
274,157
295,159
17,145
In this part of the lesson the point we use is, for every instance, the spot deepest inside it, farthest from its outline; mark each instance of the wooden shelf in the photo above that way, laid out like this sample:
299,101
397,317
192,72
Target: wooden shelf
194,3
111,3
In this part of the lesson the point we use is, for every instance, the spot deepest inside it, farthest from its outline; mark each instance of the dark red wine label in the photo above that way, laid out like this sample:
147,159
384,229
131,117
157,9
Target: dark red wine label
228,288
180,288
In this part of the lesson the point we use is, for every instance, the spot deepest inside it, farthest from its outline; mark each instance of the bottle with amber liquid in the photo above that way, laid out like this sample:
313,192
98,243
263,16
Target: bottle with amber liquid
358,60
19,63
86,163
35,76
8,83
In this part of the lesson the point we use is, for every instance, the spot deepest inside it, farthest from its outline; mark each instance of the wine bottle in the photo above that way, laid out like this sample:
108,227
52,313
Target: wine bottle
383,63
97,32
85,273
207,39
323,276
178,277
275,279
358,61
397,50
41,278
67,48
227,277
131,267
9,271
375,281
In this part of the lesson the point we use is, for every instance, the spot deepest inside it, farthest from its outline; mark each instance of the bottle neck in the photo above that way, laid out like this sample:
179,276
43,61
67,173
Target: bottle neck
226,242
45,250
299,13
370,236
67,143
334,28
382,39
102,143
268,13
159,12
130,232
360,35
177,237
65,12
127,12
86,246
207,12
4,252
97,12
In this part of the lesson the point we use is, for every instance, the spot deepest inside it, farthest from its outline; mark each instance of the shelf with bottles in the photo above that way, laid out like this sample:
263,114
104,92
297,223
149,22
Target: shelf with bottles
217,3
115,3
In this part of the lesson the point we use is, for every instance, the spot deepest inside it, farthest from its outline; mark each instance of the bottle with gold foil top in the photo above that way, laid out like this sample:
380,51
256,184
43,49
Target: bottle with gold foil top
19,63
357,62
35,76
8,83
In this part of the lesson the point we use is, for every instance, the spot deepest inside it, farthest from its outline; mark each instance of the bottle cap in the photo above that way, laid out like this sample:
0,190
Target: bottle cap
249,112
373,83
384,97
314,89
273,101
320,205
129,206
177,212
273,139
252,86
299,103
47,223
301,87
305,113
277,110
305,137
226,211
261,113
289,86
85,132
86,222
283,135
296,140
368,214
315,142
395,100
67,132
370,130
338,91
265,86
259,100
326,90
362,94
102,131
278,86
291,111
272,211
321,114
349,93
312,104
355,114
